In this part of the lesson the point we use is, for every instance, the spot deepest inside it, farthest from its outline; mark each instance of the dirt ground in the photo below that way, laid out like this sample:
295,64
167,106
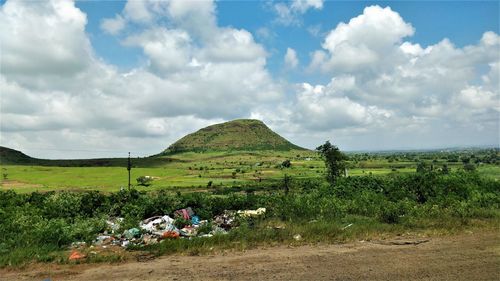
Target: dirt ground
466,256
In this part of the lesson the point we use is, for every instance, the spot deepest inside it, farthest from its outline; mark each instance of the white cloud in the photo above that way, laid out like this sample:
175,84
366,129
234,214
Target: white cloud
289,13
168,50
114,25
56,93
303,5
43,37
366,40
188,74
476,97
291,60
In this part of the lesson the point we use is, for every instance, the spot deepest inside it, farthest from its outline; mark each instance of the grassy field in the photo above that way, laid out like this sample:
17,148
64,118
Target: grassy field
197,170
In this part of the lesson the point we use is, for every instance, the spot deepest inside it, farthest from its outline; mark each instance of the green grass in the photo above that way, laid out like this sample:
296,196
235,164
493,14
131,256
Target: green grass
490,171
196,170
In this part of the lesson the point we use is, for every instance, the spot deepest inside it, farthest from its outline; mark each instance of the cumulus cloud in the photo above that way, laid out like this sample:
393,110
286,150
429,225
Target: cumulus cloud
58,94
367,40
288,13
43,37
291,60
62,90
383,84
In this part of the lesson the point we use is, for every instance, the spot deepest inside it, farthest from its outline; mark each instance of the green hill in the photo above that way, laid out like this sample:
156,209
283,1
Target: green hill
242,134
11,156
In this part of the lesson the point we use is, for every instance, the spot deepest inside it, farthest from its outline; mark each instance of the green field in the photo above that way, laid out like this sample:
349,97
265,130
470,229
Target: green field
195,170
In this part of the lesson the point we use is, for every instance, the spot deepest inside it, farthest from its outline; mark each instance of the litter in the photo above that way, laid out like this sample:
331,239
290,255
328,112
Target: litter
78,244
75,255
297,237
188,231
114,224
170,234
195,220
226,220
156,223
252,213
347,226
155,229
132,233
184,213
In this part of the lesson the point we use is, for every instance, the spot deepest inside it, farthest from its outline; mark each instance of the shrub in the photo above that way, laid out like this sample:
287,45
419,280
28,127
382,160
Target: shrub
144,180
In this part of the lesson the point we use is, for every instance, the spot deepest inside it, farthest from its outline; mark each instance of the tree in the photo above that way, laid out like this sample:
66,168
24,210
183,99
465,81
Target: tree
469,167
335,161
422,167
445,170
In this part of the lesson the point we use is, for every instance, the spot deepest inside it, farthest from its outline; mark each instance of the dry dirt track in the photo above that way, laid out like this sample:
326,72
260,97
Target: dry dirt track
467,256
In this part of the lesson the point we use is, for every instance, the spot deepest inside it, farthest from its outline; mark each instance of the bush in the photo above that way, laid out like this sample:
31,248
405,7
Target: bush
145,180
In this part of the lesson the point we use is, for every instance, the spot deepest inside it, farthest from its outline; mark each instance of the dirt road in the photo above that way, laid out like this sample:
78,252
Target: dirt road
467,256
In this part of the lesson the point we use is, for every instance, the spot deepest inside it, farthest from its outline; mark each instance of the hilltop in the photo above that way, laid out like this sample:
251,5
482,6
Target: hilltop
241,134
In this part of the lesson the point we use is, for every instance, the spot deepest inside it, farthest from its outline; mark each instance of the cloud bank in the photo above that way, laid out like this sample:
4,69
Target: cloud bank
385,90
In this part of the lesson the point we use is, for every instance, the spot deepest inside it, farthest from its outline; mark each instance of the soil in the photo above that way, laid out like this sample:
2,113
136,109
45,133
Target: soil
465,256
13,184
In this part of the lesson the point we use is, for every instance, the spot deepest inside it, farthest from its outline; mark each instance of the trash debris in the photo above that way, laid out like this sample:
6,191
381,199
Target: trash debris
252,213
184,213
183,223
76,255
188,231
114,224
132,233
78,244
157,224
170,234
226,220
297,237
195,220
347,226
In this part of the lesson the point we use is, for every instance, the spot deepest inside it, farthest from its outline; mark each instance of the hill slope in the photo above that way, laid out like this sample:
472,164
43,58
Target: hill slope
242,134
11,156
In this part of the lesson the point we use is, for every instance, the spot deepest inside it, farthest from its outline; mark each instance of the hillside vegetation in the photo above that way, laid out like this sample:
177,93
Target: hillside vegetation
11,156
242,134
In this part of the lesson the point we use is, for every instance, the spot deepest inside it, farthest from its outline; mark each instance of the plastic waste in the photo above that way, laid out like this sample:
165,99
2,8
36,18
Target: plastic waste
170,234
225,220
76,255
186,213
156,223
195,220
252,213
188,231
132,233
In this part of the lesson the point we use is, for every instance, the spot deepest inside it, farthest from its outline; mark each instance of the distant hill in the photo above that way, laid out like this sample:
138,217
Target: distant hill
11,156
241,134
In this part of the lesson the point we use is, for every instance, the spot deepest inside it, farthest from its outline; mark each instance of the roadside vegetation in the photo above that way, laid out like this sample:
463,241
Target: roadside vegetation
41,226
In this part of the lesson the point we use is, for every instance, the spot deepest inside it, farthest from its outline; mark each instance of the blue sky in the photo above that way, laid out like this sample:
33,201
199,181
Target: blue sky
463,22
118,76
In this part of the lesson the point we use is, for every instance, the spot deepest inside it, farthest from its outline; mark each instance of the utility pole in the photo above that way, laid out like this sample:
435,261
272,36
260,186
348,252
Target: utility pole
129,167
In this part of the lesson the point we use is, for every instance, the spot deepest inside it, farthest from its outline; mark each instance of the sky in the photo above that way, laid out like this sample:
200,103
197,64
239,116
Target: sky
90,79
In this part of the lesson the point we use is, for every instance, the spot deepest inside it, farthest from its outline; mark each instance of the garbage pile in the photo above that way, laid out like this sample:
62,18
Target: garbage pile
185,224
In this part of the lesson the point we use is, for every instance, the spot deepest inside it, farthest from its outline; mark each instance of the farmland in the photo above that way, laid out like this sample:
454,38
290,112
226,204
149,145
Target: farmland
195,170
